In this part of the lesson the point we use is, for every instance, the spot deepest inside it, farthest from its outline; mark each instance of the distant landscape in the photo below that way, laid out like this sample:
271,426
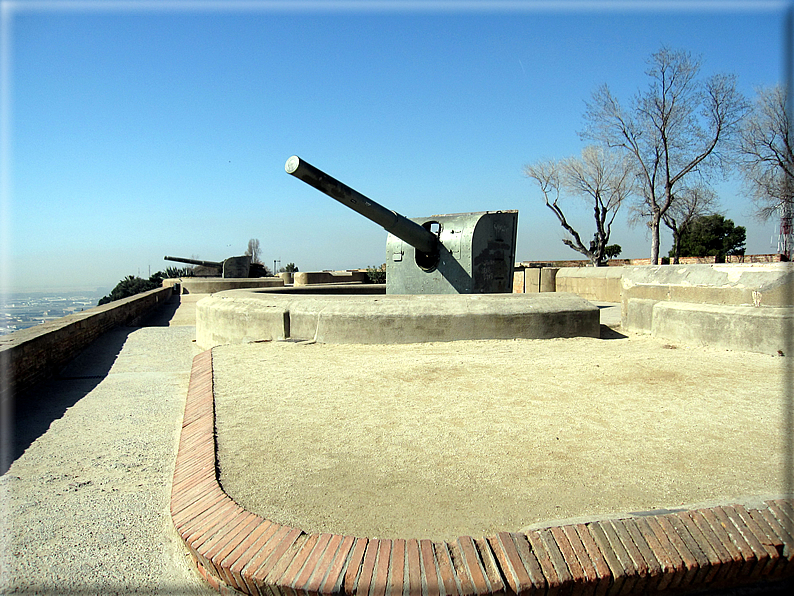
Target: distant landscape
22,310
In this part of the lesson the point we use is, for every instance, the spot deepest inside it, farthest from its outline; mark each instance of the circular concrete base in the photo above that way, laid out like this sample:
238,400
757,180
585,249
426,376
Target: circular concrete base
241,316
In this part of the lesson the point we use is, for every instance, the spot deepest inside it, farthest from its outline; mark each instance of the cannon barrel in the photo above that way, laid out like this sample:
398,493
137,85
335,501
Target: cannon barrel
194,262
402,227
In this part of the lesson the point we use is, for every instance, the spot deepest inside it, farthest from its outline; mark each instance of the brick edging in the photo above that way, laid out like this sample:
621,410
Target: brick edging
240,552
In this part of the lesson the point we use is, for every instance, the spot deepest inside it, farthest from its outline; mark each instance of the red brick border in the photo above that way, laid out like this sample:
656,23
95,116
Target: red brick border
239,552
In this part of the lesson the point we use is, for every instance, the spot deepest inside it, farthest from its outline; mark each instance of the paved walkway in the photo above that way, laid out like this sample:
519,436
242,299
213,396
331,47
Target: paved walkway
86,497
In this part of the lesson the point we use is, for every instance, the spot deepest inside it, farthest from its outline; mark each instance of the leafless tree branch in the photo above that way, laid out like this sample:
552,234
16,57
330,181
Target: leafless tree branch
671,130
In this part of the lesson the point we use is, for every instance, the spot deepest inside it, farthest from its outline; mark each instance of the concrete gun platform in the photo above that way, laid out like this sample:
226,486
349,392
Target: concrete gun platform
355,315
669,477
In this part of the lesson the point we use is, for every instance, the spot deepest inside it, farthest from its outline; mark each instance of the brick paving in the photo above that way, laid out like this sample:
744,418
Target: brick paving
239,552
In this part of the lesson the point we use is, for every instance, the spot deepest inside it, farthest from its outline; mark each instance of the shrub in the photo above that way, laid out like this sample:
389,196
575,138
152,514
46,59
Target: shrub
377,275
131,285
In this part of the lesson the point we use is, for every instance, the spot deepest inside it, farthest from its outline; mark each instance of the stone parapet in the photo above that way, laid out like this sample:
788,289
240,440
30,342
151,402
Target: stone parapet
210,285
530,280
763,330
307,278
601,284
732,284
29,356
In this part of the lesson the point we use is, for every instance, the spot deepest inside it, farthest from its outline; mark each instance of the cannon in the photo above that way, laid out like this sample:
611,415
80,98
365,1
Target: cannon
218,264
233,267
462,253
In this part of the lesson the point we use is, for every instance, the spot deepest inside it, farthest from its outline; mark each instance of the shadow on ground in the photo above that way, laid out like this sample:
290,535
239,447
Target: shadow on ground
163,315
32,412
609,333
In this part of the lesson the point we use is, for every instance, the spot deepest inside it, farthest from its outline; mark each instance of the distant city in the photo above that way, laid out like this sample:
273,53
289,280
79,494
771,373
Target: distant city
23,310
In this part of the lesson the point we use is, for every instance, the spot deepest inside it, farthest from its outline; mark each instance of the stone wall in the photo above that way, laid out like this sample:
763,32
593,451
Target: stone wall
732,306
599,284
534,279
307,278
699,283
741,306
767,258
29,356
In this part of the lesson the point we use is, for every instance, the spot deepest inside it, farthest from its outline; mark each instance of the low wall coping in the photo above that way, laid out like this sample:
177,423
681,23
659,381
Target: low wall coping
605,272
750,275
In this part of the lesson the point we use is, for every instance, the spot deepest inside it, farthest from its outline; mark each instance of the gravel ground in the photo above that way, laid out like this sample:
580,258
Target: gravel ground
439,440
86,499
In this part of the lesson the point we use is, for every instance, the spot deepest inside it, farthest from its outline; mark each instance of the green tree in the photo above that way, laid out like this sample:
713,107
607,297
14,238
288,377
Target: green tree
174,272
290,268
712,235
690,204
612,250
131,285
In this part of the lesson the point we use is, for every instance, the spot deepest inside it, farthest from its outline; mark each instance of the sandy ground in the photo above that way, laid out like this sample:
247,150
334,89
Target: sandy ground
469,438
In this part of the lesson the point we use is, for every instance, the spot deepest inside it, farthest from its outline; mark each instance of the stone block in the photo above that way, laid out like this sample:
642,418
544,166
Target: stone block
532,280
228,318
763,330
732,284
548,279
308,278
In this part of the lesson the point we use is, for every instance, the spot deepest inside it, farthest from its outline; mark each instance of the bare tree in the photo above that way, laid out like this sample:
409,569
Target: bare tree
601,178
689,204
672,130
253,250
767,157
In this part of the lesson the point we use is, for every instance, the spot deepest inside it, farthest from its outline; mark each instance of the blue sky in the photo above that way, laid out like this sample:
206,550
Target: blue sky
147,129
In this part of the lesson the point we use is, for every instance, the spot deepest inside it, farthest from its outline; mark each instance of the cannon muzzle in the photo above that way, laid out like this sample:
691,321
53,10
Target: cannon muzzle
411,232
194,262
